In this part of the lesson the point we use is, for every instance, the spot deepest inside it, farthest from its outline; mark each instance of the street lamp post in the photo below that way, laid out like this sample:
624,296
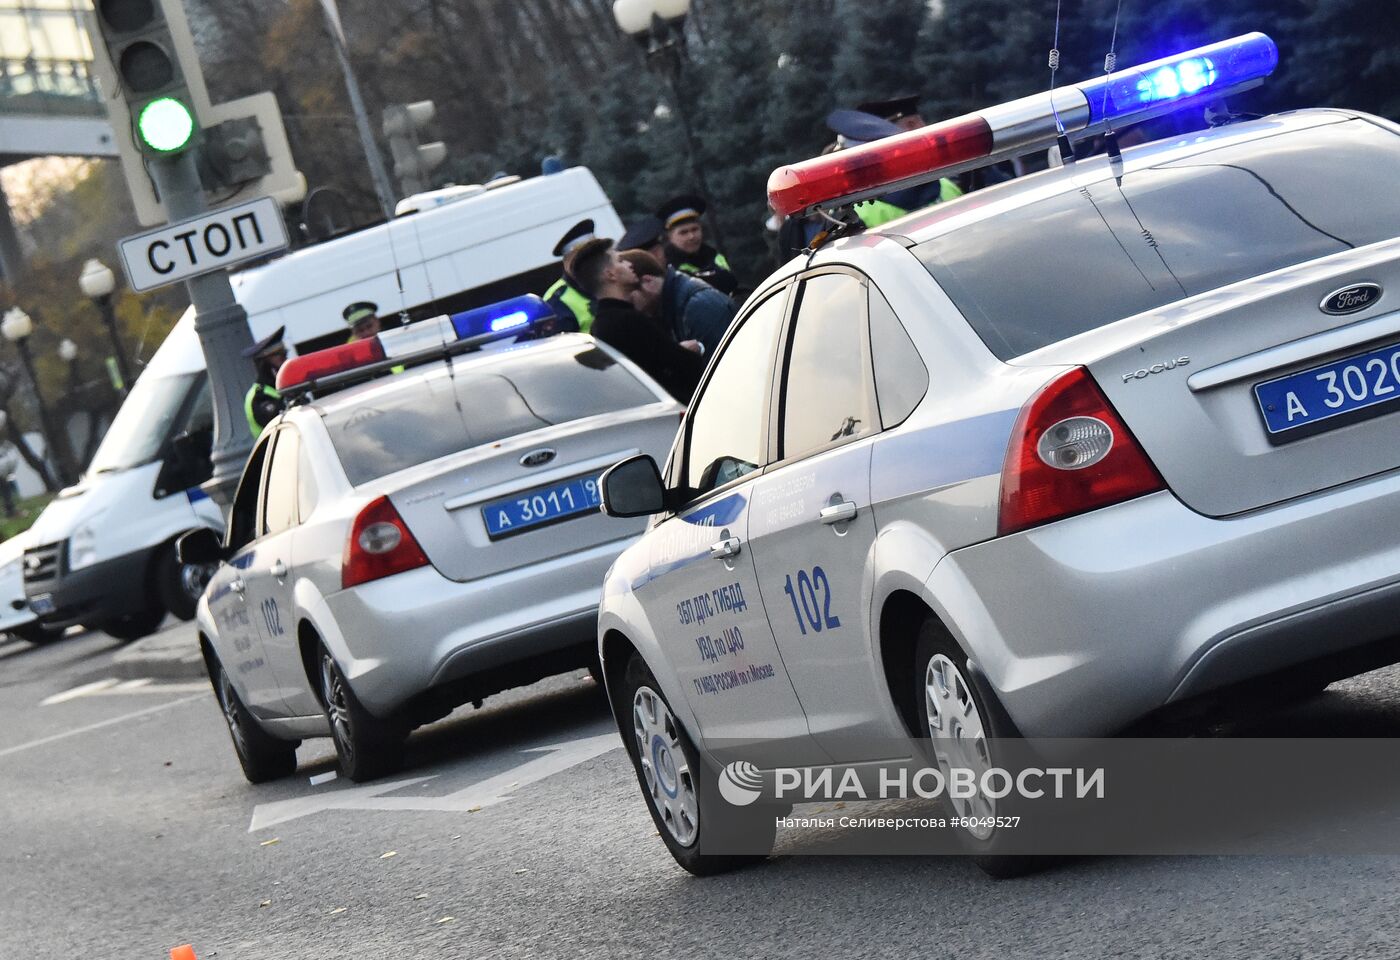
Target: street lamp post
16,327
68,353
97,283
658,26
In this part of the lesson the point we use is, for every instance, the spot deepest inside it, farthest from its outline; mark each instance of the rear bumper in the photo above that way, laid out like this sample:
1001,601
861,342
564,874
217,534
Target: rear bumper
1087,625
90,596
417,632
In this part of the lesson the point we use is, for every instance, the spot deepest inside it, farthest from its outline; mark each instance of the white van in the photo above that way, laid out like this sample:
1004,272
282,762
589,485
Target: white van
102,554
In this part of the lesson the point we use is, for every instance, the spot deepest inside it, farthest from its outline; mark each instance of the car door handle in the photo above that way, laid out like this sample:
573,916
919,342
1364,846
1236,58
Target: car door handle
726,548
839,512
279,569
237,585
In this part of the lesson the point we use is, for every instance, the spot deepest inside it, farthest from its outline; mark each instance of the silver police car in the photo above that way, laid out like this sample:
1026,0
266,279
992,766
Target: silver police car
401,546
1038,461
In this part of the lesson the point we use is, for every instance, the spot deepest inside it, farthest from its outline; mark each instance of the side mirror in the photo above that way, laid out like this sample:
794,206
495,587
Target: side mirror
633,488
199,547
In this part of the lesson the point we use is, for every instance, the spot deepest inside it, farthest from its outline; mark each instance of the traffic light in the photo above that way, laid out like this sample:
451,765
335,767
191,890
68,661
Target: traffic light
413,161
150,71
233,153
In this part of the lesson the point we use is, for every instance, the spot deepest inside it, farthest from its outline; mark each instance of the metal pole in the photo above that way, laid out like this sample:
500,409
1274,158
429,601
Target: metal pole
109,319
383,186
222,325
672,49
11,254
53,450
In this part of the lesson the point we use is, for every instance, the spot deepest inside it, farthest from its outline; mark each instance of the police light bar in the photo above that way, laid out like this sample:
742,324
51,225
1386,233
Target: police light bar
415,344
1193,78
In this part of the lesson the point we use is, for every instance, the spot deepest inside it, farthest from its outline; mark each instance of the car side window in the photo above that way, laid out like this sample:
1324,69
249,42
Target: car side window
728,428
243,514
280,485
901,379
827,395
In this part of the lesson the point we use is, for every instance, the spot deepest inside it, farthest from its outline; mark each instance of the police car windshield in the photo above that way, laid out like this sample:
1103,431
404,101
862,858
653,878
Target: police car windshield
1049,270
143,423
411,419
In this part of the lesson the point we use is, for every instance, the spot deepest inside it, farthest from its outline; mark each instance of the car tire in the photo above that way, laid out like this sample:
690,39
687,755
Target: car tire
681,792
366,746
963,712
262,756
134,626
36,633
178,585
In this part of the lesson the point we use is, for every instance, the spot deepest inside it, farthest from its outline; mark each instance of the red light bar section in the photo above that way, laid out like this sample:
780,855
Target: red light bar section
323,363
919,153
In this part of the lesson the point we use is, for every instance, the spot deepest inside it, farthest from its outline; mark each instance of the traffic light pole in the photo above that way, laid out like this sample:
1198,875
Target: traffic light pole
383,187
222,325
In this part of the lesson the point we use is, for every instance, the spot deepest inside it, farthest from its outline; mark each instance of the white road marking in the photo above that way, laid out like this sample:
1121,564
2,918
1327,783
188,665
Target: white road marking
83,691
112,686
553,759
98,726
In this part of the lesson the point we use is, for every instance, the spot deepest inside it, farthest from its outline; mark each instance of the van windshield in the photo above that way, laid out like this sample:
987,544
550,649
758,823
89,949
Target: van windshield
143,423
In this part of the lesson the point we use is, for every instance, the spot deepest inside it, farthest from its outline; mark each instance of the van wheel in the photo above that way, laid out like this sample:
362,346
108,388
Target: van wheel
134,626
262,756
366,746
179,585
681,793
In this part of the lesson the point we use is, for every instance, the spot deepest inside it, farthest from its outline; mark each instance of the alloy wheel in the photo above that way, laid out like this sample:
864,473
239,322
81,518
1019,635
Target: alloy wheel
333,692
669,780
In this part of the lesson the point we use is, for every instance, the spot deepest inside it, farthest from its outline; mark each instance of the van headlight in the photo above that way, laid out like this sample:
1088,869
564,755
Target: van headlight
14,570
82,548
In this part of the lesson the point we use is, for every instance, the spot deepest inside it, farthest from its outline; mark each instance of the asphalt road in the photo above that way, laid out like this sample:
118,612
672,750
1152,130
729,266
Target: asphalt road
125,830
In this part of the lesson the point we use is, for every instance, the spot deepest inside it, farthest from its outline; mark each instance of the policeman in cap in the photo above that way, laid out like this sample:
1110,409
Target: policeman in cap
363,319
263,402
686,249
573,308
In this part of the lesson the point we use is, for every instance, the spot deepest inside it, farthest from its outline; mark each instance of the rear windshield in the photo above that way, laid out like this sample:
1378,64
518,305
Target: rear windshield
1039,274
451,409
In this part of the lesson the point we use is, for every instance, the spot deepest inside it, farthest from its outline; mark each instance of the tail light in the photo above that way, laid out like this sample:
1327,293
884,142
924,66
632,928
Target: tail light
1070,453
380,545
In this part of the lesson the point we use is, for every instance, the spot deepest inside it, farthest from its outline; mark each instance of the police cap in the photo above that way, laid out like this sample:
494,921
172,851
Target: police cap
646,232
855,127
579,234
272,343
359,310
678,210
891,109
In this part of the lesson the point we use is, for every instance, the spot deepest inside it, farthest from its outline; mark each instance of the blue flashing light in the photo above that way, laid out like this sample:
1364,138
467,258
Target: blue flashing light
510,321
515,313
1190,77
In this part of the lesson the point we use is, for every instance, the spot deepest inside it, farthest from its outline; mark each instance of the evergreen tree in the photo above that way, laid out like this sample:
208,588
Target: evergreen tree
802,89
732,101
876,48
614,118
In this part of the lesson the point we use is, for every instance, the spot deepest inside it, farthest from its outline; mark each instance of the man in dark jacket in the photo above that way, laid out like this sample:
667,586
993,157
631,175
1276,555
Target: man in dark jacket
610,281
690,308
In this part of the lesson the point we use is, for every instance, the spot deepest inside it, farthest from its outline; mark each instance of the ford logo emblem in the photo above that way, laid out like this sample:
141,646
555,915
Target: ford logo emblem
537,458
1350,299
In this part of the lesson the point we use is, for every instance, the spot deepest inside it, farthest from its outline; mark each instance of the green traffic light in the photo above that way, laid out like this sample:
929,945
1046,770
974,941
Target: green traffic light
165,124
